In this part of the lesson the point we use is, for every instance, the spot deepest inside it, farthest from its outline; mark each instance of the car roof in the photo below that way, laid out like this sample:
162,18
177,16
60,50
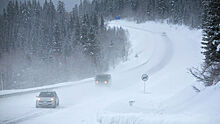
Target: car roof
103,75
47,92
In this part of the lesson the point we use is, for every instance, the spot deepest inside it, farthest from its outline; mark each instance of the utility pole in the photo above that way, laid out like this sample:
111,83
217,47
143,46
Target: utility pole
2,83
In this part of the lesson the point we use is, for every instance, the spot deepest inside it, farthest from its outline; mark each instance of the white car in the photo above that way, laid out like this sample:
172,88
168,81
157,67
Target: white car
47,99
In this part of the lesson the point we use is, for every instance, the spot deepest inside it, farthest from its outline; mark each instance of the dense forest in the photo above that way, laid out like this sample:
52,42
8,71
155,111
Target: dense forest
44,44
183,12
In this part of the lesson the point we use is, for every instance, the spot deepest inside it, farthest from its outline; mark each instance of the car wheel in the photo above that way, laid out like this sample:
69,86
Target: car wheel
37,105
55,105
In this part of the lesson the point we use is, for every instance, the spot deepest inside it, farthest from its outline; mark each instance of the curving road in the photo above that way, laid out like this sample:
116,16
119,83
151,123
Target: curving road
80,104
165,56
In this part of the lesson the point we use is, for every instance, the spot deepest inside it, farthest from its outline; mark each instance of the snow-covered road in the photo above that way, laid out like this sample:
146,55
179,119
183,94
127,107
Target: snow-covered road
162,51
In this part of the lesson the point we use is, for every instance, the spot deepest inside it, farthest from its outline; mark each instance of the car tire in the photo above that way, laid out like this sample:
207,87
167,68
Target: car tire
37,105
55,105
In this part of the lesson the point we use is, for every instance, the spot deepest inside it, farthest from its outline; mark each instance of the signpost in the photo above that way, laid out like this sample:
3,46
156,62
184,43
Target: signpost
144,77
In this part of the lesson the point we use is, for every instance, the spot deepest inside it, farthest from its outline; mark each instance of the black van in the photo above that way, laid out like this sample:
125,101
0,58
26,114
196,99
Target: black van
103,79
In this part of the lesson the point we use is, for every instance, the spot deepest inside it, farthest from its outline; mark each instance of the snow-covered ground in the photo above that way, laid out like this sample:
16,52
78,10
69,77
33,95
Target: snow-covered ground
162,51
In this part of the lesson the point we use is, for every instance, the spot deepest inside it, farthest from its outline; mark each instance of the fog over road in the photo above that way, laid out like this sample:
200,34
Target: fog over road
85,103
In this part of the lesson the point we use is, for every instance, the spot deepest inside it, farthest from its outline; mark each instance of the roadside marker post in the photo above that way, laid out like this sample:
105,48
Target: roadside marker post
144,77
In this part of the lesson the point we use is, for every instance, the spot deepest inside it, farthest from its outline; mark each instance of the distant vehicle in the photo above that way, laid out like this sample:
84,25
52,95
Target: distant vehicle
47,99
103,79
164,34
117,17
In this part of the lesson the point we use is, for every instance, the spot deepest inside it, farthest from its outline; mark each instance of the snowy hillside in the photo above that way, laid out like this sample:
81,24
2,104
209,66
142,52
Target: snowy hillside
163,52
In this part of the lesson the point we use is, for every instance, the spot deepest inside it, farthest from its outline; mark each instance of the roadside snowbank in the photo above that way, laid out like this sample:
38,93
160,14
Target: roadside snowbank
4,93
170,98
187,107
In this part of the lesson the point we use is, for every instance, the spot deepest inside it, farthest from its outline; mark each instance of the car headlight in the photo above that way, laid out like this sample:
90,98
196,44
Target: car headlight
51,99
38,99
105,82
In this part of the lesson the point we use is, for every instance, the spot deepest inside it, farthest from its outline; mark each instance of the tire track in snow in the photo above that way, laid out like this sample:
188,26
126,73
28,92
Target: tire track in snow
33,113
24,117
148,60
30,115
167,54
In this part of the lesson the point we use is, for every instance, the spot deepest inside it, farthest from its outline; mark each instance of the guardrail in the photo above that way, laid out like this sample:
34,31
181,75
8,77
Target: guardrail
43,88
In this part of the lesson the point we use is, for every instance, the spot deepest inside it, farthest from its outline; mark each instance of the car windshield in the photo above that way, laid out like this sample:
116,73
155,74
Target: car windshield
46,94
103,77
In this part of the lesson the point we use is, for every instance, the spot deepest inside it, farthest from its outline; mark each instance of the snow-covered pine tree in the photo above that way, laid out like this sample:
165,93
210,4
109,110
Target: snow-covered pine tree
210,73
211,31
162,9
211,39
48,45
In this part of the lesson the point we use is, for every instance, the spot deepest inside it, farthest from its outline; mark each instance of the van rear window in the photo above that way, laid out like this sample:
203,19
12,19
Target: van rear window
103,77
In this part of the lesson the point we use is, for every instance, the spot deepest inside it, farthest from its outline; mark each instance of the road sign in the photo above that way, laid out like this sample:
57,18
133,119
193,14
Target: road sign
144,77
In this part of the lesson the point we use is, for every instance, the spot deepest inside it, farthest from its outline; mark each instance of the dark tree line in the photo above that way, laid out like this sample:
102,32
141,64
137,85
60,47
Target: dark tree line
187,12
44,44
210,71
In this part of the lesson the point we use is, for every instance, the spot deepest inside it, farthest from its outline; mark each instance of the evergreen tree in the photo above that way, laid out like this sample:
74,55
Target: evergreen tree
210,72
211,29
47,45
102,25
56,46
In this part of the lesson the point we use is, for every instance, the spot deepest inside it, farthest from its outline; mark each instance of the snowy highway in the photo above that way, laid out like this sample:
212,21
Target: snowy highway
159,48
